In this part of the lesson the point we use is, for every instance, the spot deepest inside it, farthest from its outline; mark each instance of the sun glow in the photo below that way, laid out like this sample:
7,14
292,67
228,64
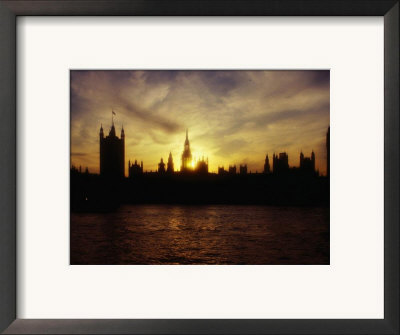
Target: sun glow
222,125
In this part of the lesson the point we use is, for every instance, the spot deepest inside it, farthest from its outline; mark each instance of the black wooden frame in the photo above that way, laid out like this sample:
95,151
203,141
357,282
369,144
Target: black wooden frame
9,10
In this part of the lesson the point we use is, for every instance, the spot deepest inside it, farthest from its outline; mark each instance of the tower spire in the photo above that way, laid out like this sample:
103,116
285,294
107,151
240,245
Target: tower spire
101,131
186,155
112,116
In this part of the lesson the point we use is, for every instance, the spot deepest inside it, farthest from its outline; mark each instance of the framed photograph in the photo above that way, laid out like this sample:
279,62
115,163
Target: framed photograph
225,192
199,167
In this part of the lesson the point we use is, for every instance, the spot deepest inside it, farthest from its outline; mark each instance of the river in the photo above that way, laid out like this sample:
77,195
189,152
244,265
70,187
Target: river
217,234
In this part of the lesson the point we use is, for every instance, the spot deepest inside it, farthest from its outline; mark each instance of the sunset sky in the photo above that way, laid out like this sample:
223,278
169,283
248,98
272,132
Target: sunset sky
233,117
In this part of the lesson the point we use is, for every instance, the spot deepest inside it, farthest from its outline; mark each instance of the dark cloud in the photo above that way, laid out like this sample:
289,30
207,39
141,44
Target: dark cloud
320,78
155,121
155,77
106,90
221,82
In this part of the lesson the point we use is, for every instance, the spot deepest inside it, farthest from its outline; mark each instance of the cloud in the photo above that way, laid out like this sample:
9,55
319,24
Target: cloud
232,116
231,147
154,120
78,154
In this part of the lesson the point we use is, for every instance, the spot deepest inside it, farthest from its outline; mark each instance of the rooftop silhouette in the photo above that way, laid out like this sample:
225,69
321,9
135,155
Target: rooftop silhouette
193,183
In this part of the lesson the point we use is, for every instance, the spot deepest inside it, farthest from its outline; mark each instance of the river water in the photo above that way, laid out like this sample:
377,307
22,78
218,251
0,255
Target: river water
217,234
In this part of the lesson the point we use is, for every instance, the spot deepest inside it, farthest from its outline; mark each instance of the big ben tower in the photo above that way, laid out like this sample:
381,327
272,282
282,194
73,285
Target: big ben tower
186,155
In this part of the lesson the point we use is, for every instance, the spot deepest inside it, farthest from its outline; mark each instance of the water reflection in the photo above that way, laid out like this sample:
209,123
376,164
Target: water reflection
160,234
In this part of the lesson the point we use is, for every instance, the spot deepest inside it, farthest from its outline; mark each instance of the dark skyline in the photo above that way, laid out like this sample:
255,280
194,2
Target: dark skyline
233,117
112,160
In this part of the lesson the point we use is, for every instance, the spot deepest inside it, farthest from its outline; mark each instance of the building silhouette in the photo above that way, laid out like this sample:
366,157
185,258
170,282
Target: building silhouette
76,171
112,160
202,166
280,163
221,170
307,164
328,152
267,168
243,169
170,164
135,169
161,166
91,192
186,156
112,153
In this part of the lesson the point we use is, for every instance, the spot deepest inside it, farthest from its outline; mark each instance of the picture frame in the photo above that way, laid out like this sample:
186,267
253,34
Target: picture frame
10,10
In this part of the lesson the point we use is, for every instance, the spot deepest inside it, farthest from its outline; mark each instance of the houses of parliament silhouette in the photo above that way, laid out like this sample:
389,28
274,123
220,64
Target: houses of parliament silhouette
112,160
278,184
